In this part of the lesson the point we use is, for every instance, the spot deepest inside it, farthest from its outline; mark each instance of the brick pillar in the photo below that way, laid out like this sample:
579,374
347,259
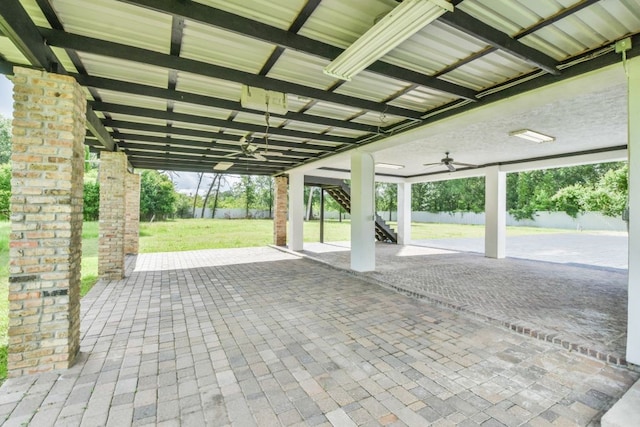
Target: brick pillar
113,170
132,213
280,213
46,222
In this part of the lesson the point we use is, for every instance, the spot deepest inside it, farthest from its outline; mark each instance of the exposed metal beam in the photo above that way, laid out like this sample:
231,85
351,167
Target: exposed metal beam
214,150
236,169
185,159
227,124
18,26
210,101
130,53
96,127
144,127
259,31
273,162
478,29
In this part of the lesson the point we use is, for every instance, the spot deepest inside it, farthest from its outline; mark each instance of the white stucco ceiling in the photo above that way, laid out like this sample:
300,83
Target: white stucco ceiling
584,113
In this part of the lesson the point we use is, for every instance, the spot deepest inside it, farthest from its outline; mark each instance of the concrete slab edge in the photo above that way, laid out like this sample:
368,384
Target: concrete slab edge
626,411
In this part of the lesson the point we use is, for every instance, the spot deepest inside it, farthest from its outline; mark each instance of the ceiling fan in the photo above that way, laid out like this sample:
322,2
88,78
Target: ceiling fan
250,149
450,163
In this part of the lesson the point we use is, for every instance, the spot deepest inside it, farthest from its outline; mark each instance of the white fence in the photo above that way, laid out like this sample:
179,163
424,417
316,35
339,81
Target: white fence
232,213
586,221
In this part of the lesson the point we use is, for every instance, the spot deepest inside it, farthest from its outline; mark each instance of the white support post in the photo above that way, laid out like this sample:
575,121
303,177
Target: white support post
633,323
495,207
363,244
296,211
404,213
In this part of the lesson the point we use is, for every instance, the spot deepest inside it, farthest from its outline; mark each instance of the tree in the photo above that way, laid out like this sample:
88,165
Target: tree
386,197
609,195
157,196
183,206
195,197
5,140
5,191
245,192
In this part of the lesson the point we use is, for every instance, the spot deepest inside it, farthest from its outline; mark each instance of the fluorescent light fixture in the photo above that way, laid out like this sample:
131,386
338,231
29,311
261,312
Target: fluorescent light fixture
532,136
402,22
389,166
222,166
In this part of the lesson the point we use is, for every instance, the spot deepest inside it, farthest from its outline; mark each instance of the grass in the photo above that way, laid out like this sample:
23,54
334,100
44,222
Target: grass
194,234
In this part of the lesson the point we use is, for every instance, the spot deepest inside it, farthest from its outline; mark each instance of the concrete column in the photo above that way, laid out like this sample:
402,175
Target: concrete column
280,213
46,222
132,213
296,211
495,207
404,213
633,328
363,244
113,171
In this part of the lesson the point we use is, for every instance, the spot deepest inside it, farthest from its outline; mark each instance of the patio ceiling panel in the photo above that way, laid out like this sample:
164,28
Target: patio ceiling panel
157,70
360,86
121,69
122,98
278,14
200,110
303,69
489,70
421,99
434,48
230,49
118,22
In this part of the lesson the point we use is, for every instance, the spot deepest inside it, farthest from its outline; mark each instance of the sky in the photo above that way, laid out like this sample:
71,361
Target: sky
6,97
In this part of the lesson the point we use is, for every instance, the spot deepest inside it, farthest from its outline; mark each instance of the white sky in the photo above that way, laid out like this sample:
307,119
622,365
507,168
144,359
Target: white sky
6,97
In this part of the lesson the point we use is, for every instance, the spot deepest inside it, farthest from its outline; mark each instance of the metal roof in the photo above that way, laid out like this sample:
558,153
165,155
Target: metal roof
164,78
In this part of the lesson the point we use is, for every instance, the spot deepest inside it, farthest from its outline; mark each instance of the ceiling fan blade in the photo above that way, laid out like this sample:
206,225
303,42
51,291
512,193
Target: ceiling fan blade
432,164
233,154
469,165
450,167
259,156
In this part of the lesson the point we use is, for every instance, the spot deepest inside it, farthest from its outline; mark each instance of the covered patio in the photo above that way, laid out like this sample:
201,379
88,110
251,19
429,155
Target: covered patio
260,335
217,338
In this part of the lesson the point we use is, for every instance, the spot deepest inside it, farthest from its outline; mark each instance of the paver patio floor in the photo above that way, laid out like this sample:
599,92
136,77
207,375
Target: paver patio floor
260,337
577,305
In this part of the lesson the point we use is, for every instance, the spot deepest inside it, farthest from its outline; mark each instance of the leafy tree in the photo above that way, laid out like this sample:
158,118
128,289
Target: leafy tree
183,206
608,195
264,193
611,194
386,197
91,196
5,190
157,196
5,140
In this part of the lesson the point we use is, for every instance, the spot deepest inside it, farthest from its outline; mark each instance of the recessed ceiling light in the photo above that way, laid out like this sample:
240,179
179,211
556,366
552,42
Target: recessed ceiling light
532,136
389,166
222,166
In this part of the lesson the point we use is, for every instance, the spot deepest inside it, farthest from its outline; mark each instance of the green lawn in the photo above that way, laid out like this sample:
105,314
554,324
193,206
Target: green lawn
193,234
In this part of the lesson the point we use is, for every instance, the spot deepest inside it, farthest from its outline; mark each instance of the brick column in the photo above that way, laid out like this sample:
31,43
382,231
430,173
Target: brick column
280,213
46,222
113,170
132,213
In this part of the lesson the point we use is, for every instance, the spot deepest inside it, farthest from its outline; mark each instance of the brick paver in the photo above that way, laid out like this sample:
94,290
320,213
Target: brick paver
579,306
260,337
